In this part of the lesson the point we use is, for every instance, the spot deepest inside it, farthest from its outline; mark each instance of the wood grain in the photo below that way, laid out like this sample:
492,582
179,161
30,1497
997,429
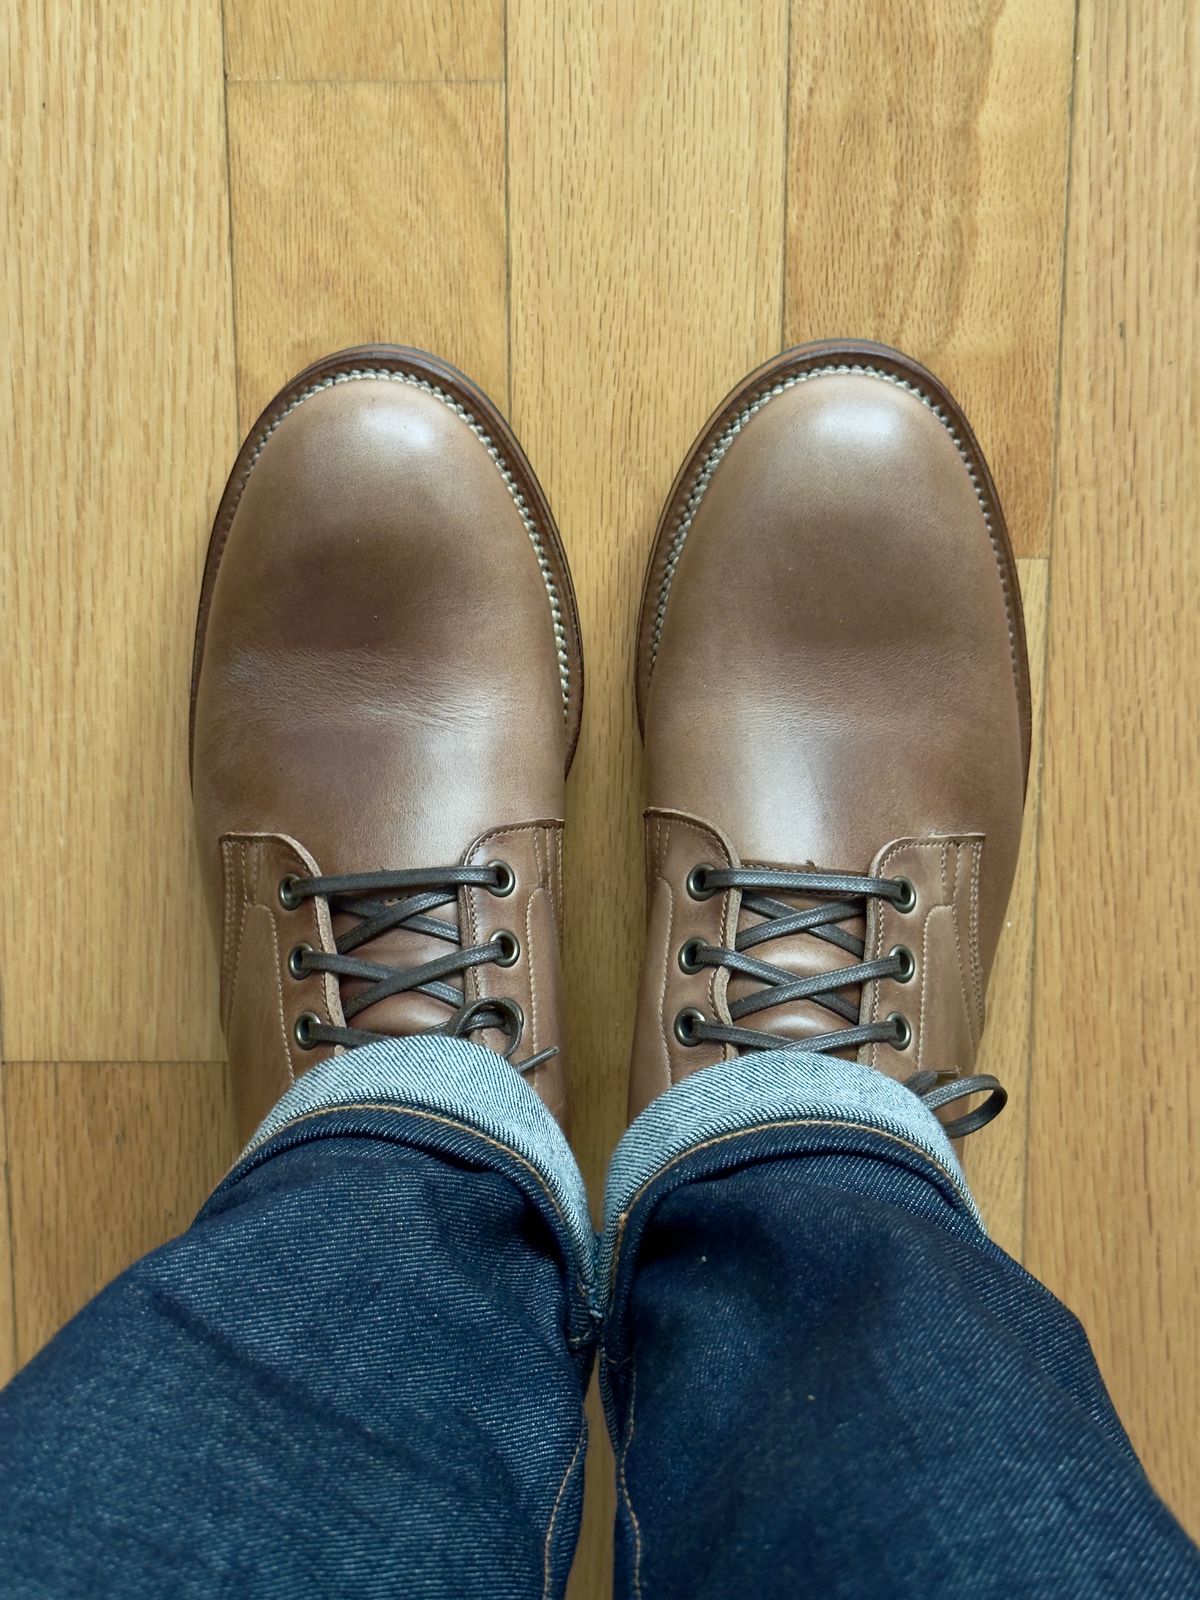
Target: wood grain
367,213
1112,1222
117,424
402,41
995,1161
140,1144
926,167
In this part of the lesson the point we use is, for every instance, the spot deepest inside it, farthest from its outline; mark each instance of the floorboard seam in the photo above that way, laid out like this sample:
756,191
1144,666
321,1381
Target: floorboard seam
787,152
1051,527
233,316
507,230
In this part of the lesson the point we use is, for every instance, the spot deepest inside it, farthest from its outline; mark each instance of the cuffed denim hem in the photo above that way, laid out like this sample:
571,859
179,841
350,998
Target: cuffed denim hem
450,1096
792,1093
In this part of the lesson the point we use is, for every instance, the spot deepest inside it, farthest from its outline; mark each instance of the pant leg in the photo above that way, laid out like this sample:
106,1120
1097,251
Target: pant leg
822,1379
360,1372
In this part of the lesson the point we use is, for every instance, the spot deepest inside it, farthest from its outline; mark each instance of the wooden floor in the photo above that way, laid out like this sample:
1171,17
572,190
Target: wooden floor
606,213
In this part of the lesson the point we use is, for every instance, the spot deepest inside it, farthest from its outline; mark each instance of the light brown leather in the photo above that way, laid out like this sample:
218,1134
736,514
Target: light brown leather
674,845
387,676
832,676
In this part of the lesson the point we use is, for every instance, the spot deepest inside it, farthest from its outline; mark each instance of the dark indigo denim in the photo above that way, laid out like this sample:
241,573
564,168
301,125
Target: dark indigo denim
823,1380
360,1374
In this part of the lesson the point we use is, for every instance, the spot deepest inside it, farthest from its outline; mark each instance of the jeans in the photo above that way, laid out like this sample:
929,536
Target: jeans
361,1370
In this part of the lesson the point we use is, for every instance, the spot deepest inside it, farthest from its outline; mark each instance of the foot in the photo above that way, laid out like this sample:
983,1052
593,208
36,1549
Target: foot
385,699
833,691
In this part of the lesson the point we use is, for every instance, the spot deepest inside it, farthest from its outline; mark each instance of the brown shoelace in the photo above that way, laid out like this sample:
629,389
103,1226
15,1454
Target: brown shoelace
840,897
381,902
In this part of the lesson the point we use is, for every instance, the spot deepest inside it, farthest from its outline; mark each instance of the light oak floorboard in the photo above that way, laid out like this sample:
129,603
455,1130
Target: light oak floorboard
1112,1218
367,213
926,168
995,1157
400,41
117,422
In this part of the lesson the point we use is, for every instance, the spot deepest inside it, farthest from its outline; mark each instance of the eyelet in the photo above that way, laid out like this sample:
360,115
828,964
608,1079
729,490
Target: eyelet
685,1023
695,882
687,956
511,947
288,898
903,1031
303,1029
506,880
295,962
908,965
908,895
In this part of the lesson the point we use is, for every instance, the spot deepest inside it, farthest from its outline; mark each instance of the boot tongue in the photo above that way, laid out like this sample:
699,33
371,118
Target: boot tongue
800,955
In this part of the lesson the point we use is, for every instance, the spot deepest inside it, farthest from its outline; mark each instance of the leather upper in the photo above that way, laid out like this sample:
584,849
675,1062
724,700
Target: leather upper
832,675
387,677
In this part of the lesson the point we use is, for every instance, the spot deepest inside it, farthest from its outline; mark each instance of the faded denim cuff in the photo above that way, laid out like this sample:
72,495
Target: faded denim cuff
457,1098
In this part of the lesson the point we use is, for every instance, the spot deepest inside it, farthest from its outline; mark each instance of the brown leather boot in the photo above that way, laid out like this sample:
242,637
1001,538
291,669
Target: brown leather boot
833,690
386,696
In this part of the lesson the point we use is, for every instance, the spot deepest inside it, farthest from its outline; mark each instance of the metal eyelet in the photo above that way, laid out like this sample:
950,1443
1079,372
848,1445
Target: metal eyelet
303,1029
908,965
903,1031
511,947
288,898
517,1018
687,956
908,895
295,961
696,886
506,879
685,1023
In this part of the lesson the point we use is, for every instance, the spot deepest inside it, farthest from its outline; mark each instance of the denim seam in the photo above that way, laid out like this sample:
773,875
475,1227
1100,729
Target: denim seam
428,1116
562,1489
622,1477
744,1133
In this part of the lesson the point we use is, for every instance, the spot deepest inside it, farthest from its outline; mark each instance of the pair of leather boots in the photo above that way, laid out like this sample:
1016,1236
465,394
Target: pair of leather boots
832,688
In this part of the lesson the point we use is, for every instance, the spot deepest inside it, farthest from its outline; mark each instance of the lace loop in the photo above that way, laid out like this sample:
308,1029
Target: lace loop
939,1089
840,898
383,901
